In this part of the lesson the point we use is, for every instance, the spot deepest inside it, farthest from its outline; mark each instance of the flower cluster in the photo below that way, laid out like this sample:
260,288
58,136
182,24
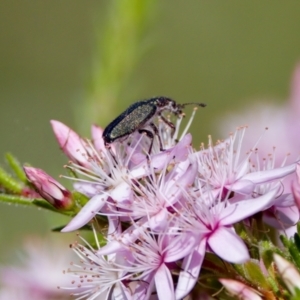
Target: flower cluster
165,210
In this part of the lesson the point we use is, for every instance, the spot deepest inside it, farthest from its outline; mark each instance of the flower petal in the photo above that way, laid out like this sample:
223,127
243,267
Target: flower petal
121,192
244,187
97,138
88,189
246,208
269,175
180,246
71,143
159,221
164,283
191,268
86,213
177,154
282,217
228,245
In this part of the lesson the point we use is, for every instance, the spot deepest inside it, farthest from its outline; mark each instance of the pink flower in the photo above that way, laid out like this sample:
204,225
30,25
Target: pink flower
280,144
224,168
40,274
96,276
112,179
164,209
214,222
152,260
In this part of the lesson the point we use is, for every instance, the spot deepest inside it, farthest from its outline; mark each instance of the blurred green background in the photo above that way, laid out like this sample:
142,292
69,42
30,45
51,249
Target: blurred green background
223,53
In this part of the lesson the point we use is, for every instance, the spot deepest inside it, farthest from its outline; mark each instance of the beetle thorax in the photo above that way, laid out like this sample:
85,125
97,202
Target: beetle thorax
168,104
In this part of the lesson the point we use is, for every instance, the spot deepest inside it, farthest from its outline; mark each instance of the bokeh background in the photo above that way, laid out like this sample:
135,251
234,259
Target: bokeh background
56,58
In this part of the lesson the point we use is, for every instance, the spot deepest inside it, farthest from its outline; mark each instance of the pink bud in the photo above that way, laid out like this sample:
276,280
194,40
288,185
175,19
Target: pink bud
239,289
288,272
49,188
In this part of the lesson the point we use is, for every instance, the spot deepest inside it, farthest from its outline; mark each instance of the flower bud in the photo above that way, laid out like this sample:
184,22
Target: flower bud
49,188
288,272
239,289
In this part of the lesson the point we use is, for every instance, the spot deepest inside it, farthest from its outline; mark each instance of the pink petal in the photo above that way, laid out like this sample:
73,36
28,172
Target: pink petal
243,168
244,187
159,221
137,157
180,151
120,292
114,225
283,217
111,248
164,283
269,175
243,209
129,236
174,188
180,246
86,213
144,287
228,245
239,289
191,268
139,171
71,143
121,192
285,200
97,138
177,154
88,189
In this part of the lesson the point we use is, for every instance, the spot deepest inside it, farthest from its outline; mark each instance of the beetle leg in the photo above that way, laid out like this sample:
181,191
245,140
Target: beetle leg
112,155
170,124
153,126
150,136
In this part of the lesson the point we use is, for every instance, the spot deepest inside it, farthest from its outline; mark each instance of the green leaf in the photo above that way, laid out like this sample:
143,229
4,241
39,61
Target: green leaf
295,254
254,274
16,166
9,183
297,241
285,241
296,295
80,198
267,257
293,250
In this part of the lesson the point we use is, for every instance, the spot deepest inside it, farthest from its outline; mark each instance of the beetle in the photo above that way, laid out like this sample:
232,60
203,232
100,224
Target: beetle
140,115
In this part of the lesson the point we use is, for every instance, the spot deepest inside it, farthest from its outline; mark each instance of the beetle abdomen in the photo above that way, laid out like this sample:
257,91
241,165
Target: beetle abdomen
135,117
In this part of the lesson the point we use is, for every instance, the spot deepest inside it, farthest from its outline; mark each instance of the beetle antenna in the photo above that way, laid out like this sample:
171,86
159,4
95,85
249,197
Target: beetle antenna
190,103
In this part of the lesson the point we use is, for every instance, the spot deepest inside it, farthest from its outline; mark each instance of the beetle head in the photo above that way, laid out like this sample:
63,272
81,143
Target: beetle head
169,104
